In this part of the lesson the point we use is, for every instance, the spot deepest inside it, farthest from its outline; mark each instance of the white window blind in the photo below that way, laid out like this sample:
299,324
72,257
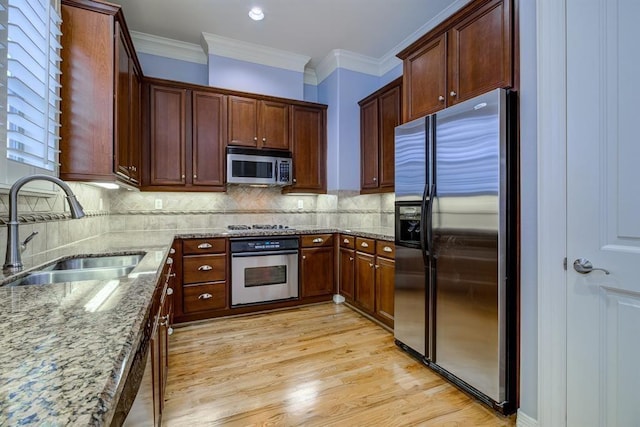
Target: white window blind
33,75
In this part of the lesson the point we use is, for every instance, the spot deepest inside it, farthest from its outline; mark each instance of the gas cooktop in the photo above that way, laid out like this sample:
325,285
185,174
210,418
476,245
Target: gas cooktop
237,227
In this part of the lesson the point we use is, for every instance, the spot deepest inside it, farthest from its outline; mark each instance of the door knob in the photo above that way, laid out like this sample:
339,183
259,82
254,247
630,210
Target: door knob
584,266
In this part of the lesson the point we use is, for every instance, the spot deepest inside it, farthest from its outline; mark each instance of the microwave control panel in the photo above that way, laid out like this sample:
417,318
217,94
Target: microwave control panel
284,171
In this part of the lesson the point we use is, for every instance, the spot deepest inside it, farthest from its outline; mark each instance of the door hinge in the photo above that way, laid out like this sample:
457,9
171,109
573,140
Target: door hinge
565,263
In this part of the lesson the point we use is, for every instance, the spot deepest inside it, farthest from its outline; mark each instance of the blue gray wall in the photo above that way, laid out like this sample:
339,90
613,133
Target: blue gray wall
173,69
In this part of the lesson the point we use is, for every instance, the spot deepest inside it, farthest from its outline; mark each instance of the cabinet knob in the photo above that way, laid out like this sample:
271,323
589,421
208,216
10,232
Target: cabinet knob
172,275
376,266
295,180
345,241
375,179
255,138
453,93
350,258
205,268
304,257
264,139
169,291
205,296
441,98
169,260
170,331
183,176
195,176
371,265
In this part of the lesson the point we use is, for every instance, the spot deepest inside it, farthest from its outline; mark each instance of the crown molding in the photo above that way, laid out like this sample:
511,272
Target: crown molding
169,48
214,44
340,58
310,77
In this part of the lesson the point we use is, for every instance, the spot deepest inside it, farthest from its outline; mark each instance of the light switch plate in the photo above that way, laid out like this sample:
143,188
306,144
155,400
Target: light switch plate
300,204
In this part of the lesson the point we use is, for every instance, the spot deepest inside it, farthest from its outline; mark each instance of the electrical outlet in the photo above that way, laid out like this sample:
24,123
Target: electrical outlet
300,204
158,204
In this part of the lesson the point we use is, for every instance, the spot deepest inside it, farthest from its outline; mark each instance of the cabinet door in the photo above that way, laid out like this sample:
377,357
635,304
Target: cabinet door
209,112
122,95
369,144
480,52
425,79
385,280
167,135
135,118
316,271
390,114
309,148
273,131
365,277
243,121
347,270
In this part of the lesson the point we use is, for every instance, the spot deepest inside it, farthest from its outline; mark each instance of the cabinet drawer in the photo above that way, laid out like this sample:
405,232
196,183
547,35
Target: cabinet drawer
365,245
203,246
347,241
204,268
208,296
385,249
314,240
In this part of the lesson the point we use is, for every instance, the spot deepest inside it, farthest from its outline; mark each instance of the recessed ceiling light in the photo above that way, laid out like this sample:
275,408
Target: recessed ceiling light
256,14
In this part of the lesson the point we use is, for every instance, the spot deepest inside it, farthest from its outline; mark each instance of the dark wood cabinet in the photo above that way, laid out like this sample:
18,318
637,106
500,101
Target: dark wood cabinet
309,149
167,136
100,96
186,136
380,113
258,123
204,276
367,276
317,259
470,53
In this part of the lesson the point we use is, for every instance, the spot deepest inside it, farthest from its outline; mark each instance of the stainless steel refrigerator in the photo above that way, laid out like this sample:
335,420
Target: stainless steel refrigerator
456,247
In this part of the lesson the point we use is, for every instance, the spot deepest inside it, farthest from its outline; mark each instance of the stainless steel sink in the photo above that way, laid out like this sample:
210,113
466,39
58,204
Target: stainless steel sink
96,262
60,276
82,268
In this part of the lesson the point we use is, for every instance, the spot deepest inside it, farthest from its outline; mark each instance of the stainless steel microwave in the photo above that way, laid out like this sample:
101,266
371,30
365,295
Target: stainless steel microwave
251,166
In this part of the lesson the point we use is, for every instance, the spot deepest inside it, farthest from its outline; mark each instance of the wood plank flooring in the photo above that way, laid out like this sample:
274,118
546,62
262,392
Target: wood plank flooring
320,365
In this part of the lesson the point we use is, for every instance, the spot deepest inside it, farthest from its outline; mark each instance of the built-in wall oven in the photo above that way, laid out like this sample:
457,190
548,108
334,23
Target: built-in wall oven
263,269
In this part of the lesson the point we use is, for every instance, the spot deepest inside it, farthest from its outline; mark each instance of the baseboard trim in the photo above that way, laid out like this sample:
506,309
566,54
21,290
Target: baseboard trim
523,420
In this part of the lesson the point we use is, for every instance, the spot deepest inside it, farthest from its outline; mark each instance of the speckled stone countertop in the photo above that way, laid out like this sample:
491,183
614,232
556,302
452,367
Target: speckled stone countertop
64,362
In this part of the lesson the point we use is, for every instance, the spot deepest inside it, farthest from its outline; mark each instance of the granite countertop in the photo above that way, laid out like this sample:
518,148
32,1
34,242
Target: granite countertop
64,361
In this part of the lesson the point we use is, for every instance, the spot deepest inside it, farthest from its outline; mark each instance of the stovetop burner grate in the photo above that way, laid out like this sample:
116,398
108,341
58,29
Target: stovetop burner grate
258,227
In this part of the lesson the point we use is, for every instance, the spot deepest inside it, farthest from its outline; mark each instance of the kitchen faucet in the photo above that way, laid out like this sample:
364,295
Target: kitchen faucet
13,259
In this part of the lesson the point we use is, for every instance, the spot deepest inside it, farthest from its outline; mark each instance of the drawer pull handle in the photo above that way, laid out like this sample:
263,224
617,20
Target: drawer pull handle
346,241
377,266
169,260
350,258
172,251
205,296
387,249
370,265
204,246
318,240
169,291
169,331
364,244
205,268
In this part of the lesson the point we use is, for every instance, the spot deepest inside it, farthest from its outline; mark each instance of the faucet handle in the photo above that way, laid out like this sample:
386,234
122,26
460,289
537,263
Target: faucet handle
23,246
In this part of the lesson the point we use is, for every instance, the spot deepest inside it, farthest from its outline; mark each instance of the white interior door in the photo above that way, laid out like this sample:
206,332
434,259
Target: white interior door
603,212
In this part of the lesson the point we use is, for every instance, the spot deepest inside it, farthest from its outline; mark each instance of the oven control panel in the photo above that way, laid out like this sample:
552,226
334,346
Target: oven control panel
263,244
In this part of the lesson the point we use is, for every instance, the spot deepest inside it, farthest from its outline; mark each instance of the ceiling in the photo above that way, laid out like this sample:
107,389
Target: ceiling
308,27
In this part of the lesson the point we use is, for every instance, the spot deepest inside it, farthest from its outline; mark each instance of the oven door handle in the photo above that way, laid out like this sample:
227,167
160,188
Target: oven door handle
264,253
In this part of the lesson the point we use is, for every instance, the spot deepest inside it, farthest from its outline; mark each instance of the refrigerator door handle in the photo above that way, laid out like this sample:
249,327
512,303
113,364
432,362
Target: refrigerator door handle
428,219
423,217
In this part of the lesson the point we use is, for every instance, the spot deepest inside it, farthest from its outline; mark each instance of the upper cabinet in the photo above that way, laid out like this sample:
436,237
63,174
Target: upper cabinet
100,106
186,126
258,123
380,113
309,148
469,54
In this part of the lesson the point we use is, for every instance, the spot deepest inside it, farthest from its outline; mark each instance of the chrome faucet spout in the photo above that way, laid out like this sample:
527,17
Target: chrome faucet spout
13,259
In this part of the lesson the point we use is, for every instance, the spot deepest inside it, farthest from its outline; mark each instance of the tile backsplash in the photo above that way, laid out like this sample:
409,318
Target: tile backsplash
117,210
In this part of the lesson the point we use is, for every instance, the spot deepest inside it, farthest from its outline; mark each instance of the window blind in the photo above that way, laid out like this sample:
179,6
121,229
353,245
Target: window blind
33,75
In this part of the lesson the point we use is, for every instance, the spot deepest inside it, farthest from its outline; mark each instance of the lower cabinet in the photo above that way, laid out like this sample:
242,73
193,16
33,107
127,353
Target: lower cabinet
367,270
204,277
317,259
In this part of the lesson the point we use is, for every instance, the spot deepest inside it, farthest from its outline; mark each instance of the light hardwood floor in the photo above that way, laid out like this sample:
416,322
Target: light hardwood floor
320,365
